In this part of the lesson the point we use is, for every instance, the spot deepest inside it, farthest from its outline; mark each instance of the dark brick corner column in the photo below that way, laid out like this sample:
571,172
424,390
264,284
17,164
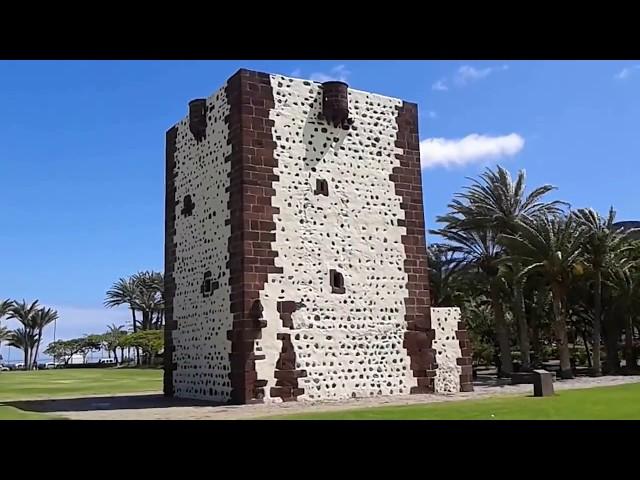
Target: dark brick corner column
408,185
169,256
251,258
466,358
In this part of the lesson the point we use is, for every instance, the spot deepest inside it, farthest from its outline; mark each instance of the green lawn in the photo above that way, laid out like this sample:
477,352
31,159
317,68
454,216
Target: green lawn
605,403
615,403
81,382
50,384
12,413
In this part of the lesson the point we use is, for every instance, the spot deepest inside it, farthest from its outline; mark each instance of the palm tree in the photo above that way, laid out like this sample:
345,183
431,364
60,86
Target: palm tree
25,314
41,318
478,317
553,247
612,327
5,305
495,200
602,244
478,249
149,298
626,291
444,267
157,285
25,340
112,339
5,333
125,292
538,304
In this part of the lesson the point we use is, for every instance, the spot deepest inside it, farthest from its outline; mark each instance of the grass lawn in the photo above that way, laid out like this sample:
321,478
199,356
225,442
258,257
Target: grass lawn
44,384
12,413
604,403
50,384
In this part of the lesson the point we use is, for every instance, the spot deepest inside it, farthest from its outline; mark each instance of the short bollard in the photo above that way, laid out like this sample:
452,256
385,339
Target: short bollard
542,383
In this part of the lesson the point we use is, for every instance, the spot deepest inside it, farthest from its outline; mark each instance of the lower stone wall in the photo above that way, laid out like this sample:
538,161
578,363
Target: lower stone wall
453,352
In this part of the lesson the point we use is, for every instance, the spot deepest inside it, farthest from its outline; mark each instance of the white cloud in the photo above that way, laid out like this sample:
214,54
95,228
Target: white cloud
467,74
626,72
73,322
296,73
440,85
339,72
474,148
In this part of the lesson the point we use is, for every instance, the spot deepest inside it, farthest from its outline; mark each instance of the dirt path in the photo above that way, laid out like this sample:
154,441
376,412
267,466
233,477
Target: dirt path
155,407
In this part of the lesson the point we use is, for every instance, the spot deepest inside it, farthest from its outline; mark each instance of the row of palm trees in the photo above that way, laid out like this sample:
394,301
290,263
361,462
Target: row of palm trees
540,271
143,294
33,319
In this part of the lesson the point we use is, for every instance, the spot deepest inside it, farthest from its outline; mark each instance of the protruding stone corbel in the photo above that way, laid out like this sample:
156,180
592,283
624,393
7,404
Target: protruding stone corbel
335,104
198,118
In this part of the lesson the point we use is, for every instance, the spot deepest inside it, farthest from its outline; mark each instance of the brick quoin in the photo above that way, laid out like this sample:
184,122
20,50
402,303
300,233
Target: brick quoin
169,257
466,358
251,259
407,179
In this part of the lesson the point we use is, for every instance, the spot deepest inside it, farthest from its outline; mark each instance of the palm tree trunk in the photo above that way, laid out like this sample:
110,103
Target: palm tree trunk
115,355
586,348
31,351
26,357
629,357
35,354
597,321
560,325
519,314
135,329
506,367
536,344
611,344
534,323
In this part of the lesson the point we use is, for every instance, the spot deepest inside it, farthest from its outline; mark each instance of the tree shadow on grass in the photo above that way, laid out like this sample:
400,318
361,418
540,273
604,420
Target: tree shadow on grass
124,402
491,381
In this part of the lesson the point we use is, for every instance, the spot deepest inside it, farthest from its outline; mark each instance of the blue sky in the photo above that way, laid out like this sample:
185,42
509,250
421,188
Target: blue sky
82,152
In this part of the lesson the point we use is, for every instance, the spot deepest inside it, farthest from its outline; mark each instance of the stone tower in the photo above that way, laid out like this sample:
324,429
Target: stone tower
295,257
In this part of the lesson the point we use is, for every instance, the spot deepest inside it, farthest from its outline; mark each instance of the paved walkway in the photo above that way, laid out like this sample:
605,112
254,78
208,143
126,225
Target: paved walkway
156,407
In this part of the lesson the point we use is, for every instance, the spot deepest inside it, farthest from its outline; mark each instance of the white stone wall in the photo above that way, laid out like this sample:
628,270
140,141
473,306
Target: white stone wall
444,321
201,345
350,344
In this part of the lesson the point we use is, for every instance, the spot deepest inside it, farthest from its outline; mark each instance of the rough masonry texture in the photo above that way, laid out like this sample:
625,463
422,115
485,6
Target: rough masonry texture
453,352
295,255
